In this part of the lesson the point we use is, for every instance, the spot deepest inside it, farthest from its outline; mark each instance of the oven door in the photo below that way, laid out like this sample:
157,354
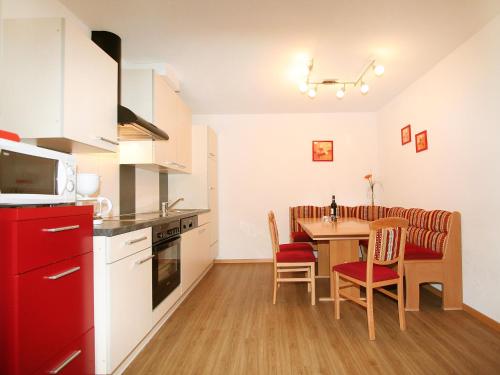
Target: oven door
166,268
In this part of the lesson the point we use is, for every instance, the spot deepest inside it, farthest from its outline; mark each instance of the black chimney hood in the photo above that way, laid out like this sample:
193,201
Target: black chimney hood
131,126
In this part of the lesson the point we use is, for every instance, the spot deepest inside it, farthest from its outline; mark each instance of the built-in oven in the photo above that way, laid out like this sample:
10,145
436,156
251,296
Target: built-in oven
166,260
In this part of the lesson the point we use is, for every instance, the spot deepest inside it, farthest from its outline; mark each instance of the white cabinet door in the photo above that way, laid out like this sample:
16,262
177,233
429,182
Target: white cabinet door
130,304
166,118
90,92
212,198
68,84
203,233
188,259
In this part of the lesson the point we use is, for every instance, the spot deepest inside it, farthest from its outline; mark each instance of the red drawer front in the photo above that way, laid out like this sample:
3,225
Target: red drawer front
46,241
53,312
75,359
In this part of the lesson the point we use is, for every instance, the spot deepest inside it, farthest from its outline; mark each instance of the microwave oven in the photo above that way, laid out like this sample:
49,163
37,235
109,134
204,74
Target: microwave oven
35,175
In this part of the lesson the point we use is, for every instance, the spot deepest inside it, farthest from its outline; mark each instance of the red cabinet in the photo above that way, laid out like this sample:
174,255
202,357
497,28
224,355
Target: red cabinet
46,284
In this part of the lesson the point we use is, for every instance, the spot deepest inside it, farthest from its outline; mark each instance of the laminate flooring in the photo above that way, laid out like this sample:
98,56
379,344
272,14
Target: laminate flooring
228,325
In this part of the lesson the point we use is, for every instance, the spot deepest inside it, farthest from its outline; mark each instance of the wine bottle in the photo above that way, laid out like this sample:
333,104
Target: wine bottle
333,209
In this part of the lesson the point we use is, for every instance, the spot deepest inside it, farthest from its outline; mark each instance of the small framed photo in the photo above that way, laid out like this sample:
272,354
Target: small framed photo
322,150
421,141
406,134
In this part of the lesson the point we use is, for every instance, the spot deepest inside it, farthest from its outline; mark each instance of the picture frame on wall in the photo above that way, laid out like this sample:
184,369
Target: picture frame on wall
406,134
322,150
421,143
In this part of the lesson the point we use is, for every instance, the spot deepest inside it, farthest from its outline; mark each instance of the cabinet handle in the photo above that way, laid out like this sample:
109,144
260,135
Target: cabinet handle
176,164
109,141
62,274
211,188
131,242
211,154
60,229
66,362
144,260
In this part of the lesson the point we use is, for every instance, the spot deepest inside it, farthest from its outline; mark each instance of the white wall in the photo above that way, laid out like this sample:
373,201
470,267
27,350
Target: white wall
458,103
265,162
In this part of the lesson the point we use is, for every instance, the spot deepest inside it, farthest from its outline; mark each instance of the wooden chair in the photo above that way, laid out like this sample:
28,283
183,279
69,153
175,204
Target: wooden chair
291,258
385,247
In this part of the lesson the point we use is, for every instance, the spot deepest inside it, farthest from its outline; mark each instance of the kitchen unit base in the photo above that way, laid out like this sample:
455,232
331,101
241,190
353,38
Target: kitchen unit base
162,320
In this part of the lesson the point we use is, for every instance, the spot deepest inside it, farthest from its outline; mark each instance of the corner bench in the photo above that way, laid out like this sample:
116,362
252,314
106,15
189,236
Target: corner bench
433,247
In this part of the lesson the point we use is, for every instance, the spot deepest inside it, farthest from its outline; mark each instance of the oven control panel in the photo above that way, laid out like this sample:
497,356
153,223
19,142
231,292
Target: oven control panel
189,223
166,231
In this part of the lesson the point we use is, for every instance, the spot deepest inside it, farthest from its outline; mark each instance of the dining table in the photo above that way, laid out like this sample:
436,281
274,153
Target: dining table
338,242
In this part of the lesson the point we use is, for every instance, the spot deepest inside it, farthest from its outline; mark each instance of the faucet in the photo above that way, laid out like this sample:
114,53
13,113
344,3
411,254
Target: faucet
165,206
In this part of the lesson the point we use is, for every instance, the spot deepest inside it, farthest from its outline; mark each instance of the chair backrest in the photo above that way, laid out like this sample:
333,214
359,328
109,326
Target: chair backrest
306,212
387,243
273,231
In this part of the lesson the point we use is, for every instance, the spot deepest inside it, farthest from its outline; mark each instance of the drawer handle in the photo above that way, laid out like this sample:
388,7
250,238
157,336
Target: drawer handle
60,229
144,260
109,141
131,242
62,274
211,154
66,362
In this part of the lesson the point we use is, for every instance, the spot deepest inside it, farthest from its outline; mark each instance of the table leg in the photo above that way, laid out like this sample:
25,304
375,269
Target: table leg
342,251
324,258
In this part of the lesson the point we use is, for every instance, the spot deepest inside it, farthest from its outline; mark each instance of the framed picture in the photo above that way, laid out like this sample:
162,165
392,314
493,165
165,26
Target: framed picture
322,150
421,141
406,134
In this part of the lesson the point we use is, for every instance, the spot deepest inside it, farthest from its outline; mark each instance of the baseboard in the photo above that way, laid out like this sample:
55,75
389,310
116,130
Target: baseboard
231,261
492,323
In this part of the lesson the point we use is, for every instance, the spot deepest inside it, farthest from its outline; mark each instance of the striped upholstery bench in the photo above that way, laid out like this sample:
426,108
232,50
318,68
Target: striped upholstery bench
433,247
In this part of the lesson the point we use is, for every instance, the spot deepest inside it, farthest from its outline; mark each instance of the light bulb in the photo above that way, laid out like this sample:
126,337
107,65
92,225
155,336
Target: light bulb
364,88
312,92
340,93
379,70
303,86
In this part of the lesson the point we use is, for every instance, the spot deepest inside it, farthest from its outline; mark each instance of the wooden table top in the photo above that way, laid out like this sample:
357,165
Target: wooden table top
343,228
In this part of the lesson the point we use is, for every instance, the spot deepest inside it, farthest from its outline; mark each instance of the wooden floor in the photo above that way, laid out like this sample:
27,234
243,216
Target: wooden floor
228,325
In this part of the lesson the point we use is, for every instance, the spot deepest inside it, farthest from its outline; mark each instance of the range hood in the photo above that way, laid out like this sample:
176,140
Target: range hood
131,127
134,127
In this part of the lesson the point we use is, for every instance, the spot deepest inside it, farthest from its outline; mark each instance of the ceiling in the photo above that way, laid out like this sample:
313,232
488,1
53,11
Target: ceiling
239,56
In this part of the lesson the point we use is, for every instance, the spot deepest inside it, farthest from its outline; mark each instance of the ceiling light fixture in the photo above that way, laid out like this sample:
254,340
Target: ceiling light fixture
312,92
364,88
340,93
303,86
311,87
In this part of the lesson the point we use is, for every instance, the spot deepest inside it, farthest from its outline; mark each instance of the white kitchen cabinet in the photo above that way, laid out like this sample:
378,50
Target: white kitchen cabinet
148,94
195,255
122,296
199,189
59,89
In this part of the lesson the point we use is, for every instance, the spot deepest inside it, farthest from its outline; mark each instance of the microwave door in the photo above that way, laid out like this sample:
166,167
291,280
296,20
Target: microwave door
23,174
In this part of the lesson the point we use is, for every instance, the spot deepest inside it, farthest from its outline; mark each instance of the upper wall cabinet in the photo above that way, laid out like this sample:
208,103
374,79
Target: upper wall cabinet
148,94
60,89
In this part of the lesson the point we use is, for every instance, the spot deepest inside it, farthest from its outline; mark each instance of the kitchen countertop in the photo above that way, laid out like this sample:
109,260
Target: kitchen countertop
119,225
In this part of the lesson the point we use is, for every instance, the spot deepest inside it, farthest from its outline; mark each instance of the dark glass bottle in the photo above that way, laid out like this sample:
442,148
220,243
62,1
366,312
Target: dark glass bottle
333,209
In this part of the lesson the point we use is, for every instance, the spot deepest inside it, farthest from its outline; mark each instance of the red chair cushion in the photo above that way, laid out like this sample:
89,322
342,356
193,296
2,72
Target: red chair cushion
364,243
300,246
300,237
414,252
295,256
357,270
